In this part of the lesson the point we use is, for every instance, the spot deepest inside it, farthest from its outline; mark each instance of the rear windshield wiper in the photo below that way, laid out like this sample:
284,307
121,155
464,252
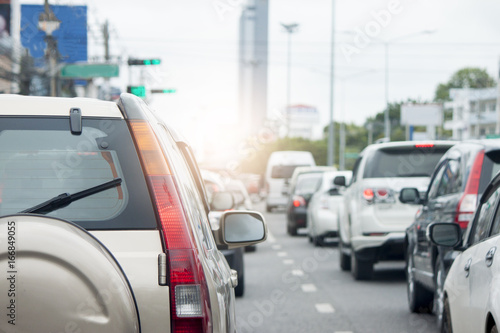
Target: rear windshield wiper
63,200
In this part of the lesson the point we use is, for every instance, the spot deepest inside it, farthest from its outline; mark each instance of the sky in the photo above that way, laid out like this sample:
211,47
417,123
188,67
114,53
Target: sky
197,41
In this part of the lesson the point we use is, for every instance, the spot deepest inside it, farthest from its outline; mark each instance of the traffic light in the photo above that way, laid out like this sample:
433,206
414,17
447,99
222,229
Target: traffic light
163,91
139,91
143,62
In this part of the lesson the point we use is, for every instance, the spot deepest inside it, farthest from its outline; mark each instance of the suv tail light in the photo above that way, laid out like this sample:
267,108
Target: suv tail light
467,203
378,195
298,201
189,297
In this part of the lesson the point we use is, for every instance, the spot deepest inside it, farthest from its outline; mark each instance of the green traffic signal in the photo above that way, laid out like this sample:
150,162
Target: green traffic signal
139,91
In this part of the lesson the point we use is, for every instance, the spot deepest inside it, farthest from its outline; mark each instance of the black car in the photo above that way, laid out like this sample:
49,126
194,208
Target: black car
298,200
457,183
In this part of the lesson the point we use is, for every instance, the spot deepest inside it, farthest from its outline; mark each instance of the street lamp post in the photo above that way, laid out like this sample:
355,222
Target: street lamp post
48,22
387,124
290,29
331,125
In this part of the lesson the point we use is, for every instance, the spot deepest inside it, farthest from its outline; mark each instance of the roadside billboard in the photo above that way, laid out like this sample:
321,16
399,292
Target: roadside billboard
71,36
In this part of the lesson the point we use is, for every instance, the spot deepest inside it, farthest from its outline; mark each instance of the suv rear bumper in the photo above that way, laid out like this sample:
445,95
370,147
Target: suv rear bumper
377,248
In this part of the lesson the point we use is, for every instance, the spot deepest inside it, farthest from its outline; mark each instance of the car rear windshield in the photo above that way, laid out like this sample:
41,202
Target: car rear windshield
283,171
308,183
40,159
491,166
409,161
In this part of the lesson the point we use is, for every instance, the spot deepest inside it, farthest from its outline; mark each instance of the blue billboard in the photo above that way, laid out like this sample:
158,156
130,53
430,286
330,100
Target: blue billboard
71,36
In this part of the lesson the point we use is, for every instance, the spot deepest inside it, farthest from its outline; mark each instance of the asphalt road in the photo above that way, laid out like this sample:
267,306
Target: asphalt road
292,286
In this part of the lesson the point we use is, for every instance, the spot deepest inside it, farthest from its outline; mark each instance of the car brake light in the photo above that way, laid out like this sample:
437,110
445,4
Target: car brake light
424,145
189,297
368,194
467,203
378,195
298,201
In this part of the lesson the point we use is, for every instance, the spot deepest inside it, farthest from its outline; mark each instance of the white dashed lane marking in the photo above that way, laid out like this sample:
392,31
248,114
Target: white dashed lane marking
276,247
298,272
324,308
288,261
282,254
309,288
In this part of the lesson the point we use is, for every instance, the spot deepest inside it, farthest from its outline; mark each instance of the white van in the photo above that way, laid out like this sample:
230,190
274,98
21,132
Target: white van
280,167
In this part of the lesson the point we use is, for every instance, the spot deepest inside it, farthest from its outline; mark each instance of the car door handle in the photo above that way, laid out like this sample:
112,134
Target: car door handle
490,255
467,268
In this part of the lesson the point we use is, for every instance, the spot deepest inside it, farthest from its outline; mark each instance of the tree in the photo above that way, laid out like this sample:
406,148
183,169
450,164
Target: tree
469,77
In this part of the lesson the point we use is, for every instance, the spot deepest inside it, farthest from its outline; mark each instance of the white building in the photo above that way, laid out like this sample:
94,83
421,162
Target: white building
302,121
474,113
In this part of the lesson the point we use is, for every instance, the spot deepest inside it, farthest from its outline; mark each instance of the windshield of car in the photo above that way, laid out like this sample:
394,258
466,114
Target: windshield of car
40,159
403,162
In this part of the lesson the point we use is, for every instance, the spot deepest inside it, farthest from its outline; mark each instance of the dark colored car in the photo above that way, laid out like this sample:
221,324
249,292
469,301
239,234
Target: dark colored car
298,200
457,183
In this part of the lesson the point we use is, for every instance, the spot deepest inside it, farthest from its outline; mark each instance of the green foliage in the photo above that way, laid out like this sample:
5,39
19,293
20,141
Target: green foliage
469,77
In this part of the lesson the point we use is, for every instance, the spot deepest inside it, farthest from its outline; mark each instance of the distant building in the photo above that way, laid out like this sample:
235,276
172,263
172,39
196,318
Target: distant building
5,66
474,112
253,60
302,121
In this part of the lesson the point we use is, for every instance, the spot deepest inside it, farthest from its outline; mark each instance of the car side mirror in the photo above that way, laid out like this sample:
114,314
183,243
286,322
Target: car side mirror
339,181
445,234
410,195
222,201
240,228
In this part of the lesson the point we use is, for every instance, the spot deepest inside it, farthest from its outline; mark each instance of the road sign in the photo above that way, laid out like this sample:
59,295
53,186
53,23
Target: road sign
88,71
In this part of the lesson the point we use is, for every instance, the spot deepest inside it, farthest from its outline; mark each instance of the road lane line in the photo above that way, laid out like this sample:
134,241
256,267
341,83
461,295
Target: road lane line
324,308
276,247
298,272
282,254
288,261
308,288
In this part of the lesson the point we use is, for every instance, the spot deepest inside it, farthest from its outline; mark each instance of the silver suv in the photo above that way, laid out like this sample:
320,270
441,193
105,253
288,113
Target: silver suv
104,223
373,225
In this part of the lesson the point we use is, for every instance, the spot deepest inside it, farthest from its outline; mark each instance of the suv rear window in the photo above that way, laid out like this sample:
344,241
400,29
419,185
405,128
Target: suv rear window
283,171
491,166
41,159
308,183
403,162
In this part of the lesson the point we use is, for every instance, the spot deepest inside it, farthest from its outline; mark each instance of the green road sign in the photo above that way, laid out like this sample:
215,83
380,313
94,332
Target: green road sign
351,155
137,90
88,71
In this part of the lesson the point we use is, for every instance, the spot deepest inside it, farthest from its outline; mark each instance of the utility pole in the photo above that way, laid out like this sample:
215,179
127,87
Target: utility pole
290,29
331,127
105,33
48,22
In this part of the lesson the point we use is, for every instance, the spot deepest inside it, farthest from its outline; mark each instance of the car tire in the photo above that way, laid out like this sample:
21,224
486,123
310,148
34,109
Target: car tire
310,239
438,303
344,259
446,322
251,248
239,266
419,299
361,269
318,241
269,209
292,231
